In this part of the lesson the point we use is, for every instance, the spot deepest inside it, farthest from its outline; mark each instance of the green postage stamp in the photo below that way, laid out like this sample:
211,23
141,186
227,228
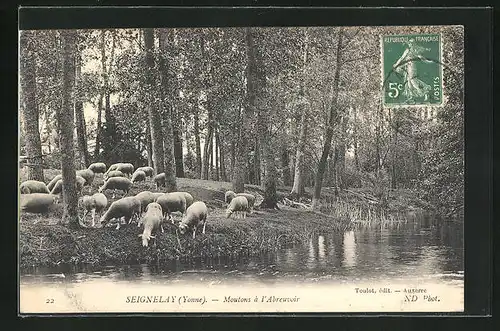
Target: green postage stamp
412,70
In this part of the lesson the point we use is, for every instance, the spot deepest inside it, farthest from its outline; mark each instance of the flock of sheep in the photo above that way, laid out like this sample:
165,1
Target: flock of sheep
146,208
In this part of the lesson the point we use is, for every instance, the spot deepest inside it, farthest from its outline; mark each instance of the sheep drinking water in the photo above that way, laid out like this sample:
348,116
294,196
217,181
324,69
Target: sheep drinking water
152,221
195,215
127,208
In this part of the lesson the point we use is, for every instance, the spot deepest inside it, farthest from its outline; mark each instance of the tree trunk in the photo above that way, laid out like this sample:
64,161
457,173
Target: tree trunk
298,188
198,141
206,151
166,125
332,119
355,138
217,153
285,165
179,162
65,120
233,157
149,146
240,162
79,115
97,149
256,160
30,108
340,169
222,162
154,118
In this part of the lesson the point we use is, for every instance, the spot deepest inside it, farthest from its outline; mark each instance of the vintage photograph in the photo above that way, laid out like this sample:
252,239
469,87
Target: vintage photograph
241,169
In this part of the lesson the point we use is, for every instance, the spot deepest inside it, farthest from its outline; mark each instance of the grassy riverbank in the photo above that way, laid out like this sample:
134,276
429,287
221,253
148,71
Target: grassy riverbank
43,242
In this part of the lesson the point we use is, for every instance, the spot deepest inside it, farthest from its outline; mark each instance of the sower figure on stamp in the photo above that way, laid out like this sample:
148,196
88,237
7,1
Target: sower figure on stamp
406,65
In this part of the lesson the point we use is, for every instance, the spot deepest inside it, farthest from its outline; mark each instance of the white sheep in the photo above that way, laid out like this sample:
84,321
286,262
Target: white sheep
239,206
33,186
189,199
116,183
138,176
94,203
53,182
36,202
114,173
112,167
88,175
195,214
250,198
98,167
160,180
172,202
126,168
58,187
152,222
127,208
149,171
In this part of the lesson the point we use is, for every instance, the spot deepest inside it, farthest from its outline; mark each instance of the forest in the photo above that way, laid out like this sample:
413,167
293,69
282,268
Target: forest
286,109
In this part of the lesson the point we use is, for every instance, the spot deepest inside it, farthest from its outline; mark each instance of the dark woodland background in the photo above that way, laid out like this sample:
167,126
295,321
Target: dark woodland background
293,107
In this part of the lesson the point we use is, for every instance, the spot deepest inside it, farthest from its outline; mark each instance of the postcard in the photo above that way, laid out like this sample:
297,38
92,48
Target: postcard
241,170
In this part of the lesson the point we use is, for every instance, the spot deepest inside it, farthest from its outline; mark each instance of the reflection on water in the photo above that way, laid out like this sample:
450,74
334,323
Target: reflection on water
349,249
422,248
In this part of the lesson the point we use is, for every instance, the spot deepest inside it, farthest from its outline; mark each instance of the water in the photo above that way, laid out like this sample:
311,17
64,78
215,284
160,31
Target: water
420,249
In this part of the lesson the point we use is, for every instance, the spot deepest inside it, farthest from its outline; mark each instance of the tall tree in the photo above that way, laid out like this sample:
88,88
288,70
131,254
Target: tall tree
30,106
298,180
153,116
65,120
79,115
168,136
246,112
333,118
97,149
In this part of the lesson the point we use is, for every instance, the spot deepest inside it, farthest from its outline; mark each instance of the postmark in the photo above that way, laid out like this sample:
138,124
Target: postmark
412,70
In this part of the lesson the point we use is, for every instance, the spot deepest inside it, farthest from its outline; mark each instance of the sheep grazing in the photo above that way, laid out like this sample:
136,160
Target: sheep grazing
138,176
114,173
195,214
152,221
88,175
126,168
160,180
94,203
149,171
239,206
98,168
145,197
36,202
80,182
112,167
189,199
230,195
157,194
126,208
250,199
53,182
33,186
116,183
172,202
